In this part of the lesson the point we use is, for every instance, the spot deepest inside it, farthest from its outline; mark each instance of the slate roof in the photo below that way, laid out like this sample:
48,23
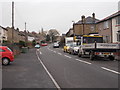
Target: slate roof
21,33
4,28
110,17
88,20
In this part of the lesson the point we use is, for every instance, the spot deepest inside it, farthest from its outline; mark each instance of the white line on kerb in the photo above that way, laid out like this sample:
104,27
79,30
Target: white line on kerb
110,70
67,56
83,61
56,84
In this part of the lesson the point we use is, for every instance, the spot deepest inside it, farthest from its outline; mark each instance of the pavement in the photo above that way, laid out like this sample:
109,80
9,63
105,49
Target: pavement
52,68
26,72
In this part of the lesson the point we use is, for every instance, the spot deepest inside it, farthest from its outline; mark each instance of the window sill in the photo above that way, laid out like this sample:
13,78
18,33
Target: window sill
105,28
117,25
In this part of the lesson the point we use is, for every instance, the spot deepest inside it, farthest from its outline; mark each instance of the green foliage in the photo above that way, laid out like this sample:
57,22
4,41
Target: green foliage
5,41
43,41
33,42
48,38
22,43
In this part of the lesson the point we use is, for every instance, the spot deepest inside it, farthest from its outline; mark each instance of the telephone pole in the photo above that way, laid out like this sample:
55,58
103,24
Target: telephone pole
25,26
26,38
12,22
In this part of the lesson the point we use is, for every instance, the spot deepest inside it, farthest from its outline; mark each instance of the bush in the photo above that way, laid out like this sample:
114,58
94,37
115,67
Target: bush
22,43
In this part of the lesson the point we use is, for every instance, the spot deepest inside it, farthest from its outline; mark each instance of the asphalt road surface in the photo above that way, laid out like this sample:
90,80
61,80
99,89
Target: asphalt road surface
52,68
70,71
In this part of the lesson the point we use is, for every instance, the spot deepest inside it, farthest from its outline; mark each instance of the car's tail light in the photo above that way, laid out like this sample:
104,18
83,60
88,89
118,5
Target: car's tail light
97,53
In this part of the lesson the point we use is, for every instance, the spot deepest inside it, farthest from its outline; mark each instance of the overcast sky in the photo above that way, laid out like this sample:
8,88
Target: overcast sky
54,14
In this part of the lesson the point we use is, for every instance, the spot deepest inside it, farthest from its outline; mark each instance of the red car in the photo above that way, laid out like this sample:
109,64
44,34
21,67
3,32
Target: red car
44,44
6,55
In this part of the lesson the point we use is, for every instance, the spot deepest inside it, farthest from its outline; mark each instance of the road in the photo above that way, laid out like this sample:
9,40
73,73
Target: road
60,70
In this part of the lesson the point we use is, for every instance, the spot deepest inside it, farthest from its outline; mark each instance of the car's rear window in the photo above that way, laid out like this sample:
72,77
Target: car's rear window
1,50
9,49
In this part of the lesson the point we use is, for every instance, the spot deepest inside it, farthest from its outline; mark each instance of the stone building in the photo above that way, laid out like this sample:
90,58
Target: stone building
15,33
85,25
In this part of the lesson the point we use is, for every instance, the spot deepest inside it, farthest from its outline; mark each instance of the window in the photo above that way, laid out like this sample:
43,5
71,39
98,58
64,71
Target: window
106,39
2,50
106,24
118,20
9,49
92,28
92,39
118,37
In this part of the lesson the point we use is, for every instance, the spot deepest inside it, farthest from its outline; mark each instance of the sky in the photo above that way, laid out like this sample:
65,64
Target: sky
53,14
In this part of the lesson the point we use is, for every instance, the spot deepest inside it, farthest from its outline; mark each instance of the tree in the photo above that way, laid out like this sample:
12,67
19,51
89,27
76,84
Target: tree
33,42
48,38
21,43
53,33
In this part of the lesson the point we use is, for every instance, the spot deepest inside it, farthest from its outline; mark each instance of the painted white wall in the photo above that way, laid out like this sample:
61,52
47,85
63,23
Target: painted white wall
30,38
114,30
3,33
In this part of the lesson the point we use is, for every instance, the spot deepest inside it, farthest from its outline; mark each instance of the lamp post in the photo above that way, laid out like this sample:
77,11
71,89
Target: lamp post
12,22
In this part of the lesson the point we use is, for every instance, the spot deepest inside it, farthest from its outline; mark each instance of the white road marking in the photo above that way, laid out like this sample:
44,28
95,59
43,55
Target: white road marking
67,56
110,70
54,51
83,61
38,49
51,50
56,84
40,52
59,53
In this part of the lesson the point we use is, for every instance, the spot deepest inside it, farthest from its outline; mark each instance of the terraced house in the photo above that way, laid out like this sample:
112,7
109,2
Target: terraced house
109,28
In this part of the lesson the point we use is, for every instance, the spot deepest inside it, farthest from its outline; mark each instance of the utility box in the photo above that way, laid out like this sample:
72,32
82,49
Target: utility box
24,49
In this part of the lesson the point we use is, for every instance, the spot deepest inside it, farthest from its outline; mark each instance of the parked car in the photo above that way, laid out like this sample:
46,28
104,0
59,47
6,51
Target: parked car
6,55
37,46
44,44
56,45
66,48
74,49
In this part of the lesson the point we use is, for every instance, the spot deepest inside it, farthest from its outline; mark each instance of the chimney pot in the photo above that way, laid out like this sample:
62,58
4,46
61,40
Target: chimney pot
83,18
93,15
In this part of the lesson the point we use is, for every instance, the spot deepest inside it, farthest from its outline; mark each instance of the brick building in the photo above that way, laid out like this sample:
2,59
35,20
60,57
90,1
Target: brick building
109,28
85,25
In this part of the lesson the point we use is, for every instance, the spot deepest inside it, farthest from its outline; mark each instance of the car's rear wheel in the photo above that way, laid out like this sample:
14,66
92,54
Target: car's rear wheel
69,52
5,61
92,56
79,54
111,58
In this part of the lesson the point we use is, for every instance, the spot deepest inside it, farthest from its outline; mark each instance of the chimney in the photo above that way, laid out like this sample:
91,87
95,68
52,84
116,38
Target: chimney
93,15
83,18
